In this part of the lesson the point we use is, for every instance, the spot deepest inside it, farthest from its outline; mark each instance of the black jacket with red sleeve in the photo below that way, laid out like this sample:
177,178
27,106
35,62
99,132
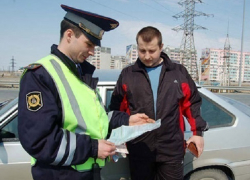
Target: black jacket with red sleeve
177,96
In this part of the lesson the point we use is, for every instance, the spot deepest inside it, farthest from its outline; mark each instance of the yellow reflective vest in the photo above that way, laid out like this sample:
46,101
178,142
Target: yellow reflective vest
82,109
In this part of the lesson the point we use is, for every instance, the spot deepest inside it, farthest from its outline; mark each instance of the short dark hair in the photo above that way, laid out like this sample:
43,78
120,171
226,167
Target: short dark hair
65,25
148,33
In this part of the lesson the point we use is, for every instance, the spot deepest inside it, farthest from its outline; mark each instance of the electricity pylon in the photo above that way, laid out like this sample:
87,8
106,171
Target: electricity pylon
13,64
188,53
226,62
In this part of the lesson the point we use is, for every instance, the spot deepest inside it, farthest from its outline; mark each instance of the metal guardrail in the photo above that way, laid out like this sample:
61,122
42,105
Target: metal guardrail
9,84
227,89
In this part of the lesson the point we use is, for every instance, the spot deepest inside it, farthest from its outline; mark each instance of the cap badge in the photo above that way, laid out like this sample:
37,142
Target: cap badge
113,26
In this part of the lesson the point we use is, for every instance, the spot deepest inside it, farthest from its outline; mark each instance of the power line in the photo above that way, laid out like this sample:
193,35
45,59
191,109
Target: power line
115,9
226,9
154,7
134,17
163,6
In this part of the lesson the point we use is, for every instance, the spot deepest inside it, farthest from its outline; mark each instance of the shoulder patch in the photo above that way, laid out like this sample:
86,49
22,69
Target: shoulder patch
33,66
34,101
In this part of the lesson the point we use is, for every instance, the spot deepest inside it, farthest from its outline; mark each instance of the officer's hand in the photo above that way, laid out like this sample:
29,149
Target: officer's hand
139,119
199,142
105,148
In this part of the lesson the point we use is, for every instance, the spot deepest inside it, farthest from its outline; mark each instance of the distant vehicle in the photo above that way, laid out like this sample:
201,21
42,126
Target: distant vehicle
226,154
215,83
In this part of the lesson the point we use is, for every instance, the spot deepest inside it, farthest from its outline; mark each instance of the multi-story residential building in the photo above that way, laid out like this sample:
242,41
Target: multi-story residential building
101,58
175,54
131,53
246,69
216,68
118,62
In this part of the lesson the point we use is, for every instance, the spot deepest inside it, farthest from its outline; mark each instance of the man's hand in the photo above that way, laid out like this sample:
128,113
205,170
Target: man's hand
199,142
139,119
105,148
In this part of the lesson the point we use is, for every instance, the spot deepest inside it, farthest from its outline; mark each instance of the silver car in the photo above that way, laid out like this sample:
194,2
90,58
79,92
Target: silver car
226,154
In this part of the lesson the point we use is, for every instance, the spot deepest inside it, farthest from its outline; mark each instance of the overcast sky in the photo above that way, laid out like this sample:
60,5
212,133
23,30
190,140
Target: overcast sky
29,28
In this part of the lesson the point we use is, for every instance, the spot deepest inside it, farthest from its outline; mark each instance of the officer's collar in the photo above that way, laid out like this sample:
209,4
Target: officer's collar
65,59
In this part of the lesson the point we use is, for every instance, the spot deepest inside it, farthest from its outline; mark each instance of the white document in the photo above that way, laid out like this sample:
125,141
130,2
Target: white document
124,134
121,149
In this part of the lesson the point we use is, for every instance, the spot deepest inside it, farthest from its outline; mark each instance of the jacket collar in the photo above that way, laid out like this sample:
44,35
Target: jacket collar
70,64
167,63
87,68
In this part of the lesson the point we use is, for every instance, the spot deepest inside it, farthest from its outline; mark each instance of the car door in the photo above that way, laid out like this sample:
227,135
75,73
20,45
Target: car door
14,161
120,169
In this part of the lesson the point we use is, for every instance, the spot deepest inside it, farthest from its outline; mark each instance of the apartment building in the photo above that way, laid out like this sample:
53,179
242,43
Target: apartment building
176,55
216,66
118,62
131,53
173,53
101,58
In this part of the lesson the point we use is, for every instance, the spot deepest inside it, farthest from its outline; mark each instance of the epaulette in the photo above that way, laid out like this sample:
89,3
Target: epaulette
33,66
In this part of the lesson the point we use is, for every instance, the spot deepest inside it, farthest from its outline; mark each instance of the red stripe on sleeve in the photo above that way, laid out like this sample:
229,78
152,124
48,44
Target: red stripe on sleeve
181,120
185,107
124,104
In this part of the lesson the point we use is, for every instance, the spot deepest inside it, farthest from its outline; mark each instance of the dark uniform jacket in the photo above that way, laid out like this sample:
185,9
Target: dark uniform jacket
40,131
177,95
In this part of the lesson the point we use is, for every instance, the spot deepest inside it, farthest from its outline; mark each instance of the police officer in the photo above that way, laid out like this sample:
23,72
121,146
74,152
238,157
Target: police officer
62,123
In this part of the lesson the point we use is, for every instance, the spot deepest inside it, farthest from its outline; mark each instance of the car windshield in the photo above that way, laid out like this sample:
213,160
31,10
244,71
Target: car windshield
240,106
8,106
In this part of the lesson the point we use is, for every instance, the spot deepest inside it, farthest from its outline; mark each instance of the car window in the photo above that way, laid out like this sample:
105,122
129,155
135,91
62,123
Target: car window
215,115
8,106
108,96
9,131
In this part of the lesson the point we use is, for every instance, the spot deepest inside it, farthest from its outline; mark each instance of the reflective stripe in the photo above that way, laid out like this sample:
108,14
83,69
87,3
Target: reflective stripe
62,149
110,114
100,100
72,149
76,109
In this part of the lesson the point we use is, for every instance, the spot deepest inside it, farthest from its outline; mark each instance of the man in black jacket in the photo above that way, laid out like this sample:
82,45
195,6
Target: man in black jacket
162,90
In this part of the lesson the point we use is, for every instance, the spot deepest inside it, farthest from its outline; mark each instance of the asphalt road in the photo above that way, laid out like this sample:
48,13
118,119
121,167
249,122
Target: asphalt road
8,93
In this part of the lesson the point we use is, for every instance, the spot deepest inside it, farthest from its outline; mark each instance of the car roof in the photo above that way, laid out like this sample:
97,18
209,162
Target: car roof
107,74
